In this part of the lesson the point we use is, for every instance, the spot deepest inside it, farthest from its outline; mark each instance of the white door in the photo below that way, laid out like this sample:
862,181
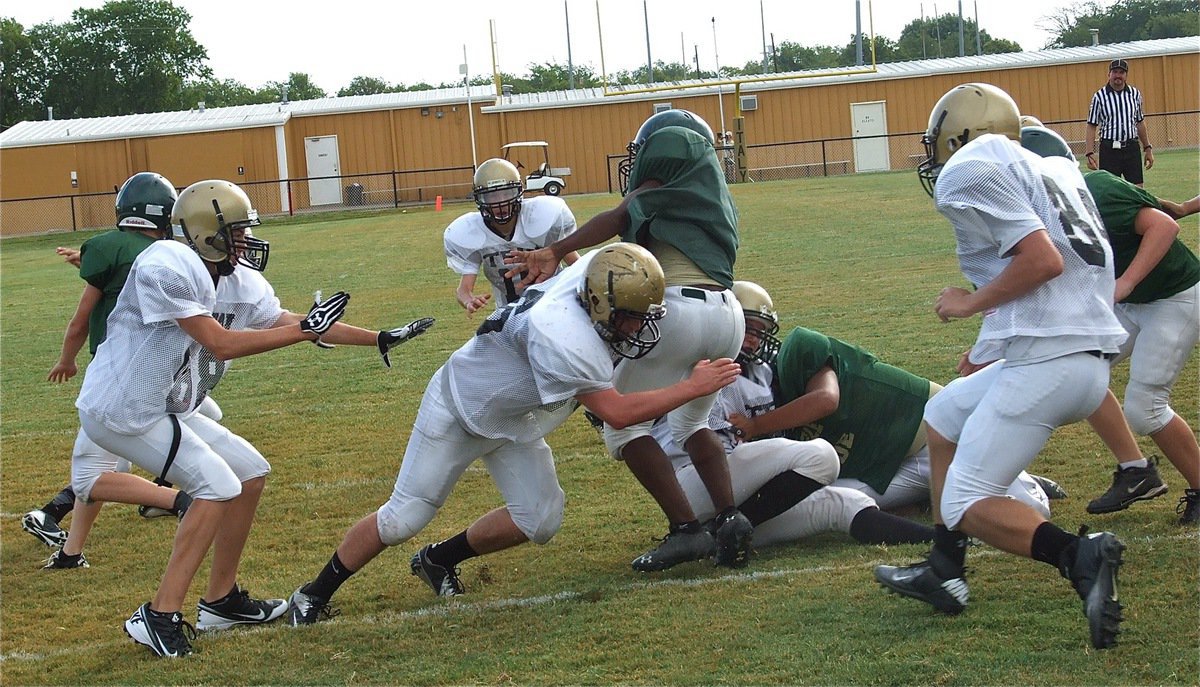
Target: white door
870,119
321,154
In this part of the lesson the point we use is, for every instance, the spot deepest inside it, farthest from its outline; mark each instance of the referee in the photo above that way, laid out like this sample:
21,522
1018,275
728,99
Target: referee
1117,112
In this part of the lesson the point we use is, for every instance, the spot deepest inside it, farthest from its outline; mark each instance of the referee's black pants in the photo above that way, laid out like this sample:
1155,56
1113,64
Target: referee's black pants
1125,161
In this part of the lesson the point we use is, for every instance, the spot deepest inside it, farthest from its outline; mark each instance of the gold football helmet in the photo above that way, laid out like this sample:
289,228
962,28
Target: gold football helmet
963,114
205,217
762,323
624,285
497,190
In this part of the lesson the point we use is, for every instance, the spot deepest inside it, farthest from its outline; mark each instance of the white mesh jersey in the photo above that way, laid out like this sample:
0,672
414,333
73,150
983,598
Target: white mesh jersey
245,300
148,366
749,395
472,248
996,193
516,379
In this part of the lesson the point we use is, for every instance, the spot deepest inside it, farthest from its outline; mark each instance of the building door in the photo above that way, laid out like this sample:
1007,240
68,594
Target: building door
321,154
870,119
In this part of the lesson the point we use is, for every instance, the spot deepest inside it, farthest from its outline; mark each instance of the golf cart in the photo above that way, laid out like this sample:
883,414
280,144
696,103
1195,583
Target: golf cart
542,177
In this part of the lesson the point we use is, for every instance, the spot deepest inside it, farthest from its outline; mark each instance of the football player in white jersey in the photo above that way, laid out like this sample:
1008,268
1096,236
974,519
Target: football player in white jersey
477,242
784,487
186,310
1030,239
556,345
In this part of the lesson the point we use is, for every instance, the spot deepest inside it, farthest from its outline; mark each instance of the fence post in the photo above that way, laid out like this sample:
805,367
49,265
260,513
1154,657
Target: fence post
291,201
395,191
74,226
824,162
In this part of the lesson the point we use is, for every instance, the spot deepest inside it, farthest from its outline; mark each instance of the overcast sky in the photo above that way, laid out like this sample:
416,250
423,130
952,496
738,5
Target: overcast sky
255,41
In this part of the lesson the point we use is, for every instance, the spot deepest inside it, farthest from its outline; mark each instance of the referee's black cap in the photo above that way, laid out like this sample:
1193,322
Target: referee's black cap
1118,64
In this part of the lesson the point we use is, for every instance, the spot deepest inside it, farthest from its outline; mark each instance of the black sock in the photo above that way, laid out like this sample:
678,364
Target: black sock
780,493
332,576
452,551
689,527
951,545
217,602
873,526
1052,545
62,503
182,502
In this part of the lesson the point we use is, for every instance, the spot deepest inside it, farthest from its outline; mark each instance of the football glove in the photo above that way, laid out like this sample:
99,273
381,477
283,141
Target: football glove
390,338
324,314
318,342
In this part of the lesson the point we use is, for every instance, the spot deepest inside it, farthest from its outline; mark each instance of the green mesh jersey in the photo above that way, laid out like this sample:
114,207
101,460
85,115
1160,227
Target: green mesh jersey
692,210
879,413
104,262
1119,202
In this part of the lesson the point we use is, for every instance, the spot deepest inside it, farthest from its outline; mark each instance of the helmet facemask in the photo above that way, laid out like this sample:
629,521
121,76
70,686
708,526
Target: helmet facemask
931,166
499,204
963,114
622,293
625,165
762,330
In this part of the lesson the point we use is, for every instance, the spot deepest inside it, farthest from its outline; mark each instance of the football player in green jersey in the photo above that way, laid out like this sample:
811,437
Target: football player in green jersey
677,205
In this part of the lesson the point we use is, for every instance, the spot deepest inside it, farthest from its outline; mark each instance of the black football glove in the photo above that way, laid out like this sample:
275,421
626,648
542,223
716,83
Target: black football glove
324,314
390,338
317,341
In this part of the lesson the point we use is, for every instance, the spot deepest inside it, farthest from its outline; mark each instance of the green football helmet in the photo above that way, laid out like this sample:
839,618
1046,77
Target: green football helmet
660,120
145,202
1045,142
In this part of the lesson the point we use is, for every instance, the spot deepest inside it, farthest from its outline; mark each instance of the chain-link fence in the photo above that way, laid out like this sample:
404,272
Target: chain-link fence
899,152
23,216
764,162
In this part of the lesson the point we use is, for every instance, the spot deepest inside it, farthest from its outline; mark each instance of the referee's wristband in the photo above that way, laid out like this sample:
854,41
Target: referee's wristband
1148,147
1089,154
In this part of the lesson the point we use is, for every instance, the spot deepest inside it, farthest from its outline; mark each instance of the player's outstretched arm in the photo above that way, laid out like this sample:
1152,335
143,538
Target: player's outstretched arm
76,335
622,410
227,344
350,335
820,399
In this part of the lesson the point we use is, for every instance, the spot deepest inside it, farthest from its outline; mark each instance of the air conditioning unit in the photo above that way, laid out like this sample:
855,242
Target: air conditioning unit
661,107
749,103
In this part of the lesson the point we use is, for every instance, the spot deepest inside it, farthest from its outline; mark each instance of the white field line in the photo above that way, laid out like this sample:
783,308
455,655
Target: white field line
456,607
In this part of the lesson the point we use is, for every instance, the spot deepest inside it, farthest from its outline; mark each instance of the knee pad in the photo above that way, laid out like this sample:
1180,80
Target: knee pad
1147,408
400,521
615,440
543,522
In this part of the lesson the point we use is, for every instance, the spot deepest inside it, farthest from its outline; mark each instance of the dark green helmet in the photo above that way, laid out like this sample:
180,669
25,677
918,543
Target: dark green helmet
145,202
660,120
1045,142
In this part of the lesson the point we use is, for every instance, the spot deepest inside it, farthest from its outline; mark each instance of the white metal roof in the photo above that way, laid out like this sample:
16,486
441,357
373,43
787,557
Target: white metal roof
26,134
50,132
891,70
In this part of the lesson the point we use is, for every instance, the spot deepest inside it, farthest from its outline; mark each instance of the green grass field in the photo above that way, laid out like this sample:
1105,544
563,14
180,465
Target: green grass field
860,258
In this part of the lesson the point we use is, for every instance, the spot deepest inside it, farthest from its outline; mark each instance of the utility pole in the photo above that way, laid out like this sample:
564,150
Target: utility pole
649,63
858,56
962,42
762,18
978,39
717,59
570,65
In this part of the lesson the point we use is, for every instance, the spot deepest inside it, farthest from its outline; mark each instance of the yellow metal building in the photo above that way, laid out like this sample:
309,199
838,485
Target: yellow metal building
426,136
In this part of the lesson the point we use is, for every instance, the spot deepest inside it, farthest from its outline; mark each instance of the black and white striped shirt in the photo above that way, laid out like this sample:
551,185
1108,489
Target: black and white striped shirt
1116,112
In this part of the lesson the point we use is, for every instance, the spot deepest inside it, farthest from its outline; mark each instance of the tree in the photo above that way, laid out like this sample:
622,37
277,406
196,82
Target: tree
919,39
299,87
126,57
19,86
219,93
366,85
555,77
1126,20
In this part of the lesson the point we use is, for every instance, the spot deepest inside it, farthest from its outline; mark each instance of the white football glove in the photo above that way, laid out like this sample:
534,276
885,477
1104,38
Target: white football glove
390,338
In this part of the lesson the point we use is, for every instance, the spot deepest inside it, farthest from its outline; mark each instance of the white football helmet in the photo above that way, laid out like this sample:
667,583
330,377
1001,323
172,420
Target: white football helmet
963,114
625,284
